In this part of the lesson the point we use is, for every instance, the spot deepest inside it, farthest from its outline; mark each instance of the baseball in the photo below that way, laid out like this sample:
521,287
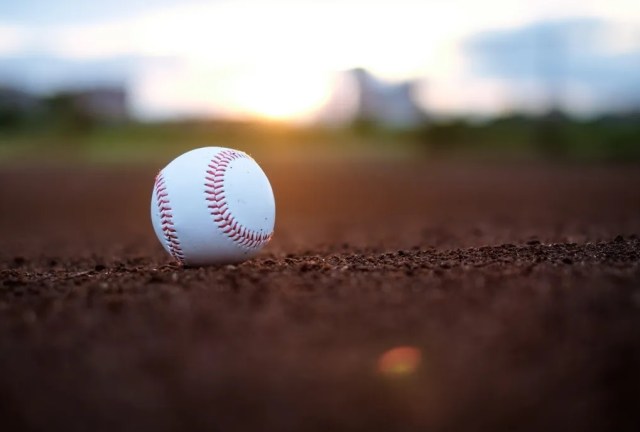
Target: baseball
212,205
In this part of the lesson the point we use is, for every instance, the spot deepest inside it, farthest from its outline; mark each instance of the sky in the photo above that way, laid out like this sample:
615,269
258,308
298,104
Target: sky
282,59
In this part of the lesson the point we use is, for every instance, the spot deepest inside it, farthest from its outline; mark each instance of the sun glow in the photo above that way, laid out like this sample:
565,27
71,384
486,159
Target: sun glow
286,94
281,94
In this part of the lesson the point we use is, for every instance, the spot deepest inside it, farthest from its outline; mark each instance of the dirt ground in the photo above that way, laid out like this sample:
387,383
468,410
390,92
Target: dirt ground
518,285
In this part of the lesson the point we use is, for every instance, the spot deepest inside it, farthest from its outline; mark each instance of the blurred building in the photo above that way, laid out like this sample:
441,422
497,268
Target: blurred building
384,103
16,106
100,105
108,104
17,99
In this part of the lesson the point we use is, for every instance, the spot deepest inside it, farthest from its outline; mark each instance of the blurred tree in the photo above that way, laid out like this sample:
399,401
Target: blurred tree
550,134
17,108
446,137
65,115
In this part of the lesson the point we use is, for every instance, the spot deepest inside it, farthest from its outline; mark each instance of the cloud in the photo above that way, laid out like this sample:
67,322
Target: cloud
13,39
73,11
41,73
585,61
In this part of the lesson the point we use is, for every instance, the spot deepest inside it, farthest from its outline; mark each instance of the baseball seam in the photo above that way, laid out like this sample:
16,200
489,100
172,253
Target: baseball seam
166,220
219,207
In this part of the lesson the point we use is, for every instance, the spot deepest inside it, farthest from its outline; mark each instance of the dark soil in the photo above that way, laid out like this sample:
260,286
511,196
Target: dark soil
519,285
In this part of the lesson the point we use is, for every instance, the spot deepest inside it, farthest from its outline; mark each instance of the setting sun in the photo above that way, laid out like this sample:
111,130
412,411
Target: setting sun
281,95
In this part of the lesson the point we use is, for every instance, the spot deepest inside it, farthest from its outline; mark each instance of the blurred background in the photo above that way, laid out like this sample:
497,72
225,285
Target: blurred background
140,79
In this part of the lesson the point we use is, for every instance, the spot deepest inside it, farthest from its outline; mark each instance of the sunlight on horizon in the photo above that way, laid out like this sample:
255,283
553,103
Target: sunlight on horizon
285,94
281,94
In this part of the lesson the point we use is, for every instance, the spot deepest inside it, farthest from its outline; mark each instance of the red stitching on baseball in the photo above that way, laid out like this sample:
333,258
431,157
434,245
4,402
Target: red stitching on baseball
166,219
219,208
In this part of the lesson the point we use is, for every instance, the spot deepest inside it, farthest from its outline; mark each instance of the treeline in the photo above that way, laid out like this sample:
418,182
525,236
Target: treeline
100,117
551,136
73,112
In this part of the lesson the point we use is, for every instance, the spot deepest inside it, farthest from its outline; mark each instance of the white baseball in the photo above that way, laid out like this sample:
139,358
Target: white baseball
212,205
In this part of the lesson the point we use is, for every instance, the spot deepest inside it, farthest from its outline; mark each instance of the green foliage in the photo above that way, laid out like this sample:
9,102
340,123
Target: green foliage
67,132
62,114
553,136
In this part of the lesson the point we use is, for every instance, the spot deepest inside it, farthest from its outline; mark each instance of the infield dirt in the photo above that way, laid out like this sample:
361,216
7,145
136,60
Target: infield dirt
519,286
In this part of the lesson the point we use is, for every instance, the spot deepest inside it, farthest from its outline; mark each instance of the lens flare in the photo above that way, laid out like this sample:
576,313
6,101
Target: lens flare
399,361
